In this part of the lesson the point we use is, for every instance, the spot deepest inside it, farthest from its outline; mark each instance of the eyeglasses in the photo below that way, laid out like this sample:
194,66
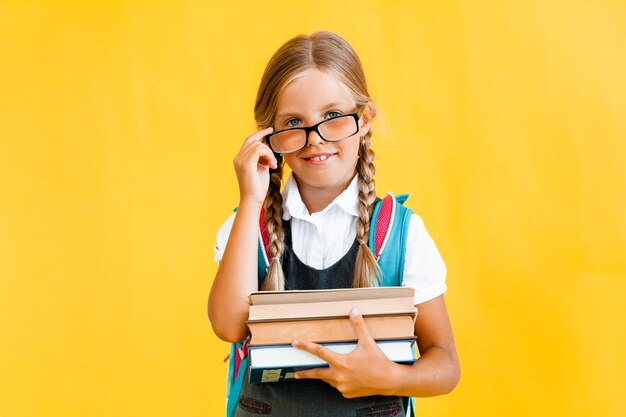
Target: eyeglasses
330,130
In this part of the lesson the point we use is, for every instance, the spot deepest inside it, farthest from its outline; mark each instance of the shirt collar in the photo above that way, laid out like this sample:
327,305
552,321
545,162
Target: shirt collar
293,206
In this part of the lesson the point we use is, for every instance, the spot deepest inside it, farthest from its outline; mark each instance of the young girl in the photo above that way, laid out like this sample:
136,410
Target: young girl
315,114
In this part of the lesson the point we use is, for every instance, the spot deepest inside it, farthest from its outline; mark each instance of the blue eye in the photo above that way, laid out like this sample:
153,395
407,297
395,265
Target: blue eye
332,115
292,122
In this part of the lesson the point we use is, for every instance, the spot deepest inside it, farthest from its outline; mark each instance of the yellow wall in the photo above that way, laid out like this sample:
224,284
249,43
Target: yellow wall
505,120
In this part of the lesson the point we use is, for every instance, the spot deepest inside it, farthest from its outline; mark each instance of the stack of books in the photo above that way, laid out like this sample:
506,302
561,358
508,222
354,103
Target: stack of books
322,316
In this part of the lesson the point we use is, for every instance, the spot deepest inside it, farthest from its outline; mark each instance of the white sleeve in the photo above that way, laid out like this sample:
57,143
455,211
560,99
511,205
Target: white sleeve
222,238
424,269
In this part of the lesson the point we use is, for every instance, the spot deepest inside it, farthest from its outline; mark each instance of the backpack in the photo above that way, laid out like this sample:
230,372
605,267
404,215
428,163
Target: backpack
387,239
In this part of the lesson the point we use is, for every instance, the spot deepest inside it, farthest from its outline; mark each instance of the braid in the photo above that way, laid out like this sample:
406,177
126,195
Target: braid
275,279
366,271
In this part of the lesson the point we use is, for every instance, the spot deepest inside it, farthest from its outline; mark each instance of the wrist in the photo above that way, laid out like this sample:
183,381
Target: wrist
393,378
251,204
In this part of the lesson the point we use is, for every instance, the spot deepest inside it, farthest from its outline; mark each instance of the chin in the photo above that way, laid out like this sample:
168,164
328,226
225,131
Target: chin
325,180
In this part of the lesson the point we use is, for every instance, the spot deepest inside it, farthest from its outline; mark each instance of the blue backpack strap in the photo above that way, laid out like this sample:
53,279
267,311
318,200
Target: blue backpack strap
391,253
235,383
391,258
409,404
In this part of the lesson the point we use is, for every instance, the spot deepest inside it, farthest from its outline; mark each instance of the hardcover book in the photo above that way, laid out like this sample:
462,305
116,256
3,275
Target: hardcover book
330,329
278,363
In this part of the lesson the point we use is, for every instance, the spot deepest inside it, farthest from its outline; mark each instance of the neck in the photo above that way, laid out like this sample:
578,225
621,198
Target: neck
317,199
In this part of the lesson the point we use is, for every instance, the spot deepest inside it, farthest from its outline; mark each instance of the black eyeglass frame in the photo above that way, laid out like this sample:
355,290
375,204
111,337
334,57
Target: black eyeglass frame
315,128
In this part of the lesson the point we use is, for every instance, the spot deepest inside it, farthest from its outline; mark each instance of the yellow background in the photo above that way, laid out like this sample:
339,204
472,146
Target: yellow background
504,120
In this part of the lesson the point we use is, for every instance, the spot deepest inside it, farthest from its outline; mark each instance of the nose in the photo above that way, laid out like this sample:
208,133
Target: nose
314,138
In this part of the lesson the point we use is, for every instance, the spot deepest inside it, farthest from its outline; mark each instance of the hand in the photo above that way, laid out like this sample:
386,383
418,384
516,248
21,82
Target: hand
252,165
364,371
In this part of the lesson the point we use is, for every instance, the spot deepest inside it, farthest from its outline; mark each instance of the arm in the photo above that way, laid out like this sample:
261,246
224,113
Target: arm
367,371
236,276
437,371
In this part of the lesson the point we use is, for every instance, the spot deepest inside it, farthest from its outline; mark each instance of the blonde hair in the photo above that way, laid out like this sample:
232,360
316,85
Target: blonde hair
331,54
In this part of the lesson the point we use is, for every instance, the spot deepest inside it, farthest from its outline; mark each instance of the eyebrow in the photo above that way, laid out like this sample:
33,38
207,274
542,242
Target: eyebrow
338,104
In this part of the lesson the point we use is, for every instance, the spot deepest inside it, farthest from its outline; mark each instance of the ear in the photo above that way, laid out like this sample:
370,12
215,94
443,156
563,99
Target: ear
369,112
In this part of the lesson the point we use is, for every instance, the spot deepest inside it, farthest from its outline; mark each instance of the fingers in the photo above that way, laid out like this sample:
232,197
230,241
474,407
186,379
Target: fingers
257,136
315,373
265,155
253,149
360,327
318,350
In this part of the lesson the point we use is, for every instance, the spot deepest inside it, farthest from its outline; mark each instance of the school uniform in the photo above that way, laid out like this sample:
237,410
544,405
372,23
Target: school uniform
320,252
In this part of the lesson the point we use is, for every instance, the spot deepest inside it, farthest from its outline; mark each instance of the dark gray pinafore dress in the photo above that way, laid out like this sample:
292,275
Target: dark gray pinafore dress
311,397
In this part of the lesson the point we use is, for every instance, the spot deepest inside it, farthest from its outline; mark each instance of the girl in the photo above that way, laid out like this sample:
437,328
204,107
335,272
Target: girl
315,114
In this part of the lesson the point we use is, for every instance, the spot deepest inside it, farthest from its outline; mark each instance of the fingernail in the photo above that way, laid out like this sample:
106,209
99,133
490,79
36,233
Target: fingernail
295,343
296,375
355,312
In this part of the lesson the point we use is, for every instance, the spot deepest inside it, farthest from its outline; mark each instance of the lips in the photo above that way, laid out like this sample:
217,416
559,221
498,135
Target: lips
318,157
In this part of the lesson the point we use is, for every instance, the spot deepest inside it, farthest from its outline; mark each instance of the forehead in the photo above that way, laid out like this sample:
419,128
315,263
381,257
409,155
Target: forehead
313,90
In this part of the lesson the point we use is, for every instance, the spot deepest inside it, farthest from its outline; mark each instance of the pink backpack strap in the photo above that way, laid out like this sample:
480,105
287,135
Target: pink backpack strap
383,220
264,237
240,354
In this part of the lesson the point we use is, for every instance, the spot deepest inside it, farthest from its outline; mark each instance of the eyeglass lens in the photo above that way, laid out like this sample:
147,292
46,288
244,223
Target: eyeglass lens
334,129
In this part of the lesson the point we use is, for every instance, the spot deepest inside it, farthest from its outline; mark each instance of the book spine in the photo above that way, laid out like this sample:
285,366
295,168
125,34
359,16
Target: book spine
330,309
322,316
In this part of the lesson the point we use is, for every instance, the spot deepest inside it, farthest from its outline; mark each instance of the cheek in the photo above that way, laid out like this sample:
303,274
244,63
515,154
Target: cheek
289,159
352,148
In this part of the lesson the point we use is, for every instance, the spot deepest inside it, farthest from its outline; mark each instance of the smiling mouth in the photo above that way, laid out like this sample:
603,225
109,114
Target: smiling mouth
319,158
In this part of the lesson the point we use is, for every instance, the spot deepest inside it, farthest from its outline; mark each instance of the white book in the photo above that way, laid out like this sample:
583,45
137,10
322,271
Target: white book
278,363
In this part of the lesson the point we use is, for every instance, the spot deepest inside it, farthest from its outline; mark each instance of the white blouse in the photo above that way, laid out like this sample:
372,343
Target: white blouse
323,238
